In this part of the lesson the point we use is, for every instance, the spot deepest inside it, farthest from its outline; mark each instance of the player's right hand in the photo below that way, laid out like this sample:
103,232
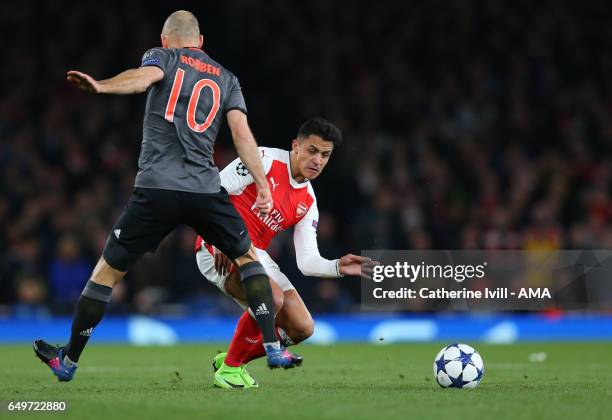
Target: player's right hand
264,200
83,81
223,265
355,265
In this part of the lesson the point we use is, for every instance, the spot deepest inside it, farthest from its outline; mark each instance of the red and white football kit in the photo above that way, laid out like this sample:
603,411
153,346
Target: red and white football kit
295,204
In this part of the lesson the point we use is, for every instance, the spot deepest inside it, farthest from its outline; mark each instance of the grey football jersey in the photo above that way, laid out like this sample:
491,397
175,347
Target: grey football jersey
183,114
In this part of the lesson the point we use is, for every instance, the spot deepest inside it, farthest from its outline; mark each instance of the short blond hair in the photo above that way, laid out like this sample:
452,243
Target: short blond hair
181,25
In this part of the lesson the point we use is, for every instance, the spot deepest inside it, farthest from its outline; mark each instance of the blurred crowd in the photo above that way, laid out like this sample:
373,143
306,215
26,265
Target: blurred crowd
467,125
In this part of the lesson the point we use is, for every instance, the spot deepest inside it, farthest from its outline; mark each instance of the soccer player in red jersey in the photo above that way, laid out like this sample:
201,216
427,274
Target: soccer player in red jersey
289,174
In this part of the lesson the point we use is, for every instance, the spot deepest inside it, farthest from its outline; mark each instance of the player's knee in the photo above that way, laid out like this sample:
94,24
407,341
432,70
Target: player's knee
307,329
302,330
249,257
115,257
106,275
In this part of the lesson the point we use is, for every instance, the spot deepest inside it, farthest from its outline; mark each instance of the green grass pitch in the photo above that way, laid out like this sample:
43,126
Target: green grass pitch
353,381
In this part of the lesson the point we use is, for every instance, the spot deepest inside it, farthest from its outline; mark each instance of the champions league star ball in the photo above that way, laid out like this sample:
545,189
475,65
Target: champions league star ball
458,366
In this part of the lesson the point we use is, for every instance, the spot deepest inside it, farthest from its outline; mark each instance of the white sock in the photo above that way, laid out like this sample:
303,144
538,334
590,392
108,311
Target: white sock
69,362
272,346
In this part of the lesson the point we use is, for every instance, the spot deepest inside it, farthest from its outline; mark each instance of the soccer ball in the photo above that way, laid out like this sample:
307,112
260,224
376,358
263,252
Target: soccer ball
458,366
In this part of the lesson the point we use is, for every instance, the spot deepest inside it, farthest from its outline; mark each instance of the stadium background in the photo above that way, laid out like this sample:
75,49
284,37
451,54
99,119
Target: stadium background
467,125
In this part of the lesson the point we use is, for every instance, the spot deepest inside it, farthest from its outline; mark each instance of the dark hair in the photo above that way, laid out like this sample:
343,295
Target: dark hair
320,127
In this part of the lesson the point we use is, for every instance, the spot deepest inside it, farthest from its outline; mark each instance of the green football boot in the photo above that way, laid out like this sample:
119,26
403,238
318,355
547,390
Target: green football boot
229,377
249,380
225,376
218,361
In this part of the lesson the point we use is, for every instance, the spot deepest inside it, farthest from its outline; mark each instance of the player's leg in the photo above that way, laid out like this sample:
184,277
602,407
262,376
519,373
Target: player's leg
247,334
233,287
227,366
91,306
228,373
218,222
296,306
294,324
259,296
88,313
294,318
247,342
230,284
147,219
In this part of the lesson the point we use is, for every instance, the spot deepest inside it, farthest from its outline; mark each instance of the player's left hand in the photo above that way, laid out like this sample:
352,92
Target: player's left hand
83,81
354,265
223,265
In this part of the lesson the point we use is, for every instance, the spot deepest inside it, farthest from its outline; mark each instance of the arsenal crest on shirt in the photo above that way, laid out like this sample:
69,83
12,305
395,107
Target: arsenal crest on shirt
301,210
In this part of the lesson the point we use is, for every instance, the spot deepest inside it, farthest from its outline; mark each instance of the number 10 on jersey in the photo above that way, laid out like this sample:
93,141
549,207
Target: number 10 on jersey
193,101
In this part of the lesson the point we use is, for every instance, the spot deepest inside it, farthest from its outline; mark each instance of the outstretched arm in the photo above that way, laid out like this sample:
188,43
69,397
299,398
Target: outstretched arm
125,83
309,260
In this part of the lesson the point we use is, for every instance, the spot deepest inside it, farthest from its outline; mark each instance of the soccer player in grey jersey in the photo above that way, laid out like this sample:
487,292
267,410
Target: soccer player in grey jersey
188,93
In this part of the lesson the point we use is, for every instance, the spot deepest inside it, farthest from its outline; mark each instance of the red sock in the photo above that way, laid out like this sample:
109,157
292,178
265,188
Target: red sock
255,352
247,343
257,349
246,337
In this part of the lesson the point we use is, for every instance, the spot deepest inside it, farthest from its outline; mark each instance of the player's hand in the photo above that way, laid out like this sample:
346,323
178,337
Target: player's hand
354,265
264,200
83,81
223,265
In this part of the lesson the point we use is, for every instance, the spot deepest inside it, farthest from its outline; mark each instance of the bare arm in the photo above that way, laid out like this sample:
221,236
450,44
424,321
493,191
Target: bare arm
125,83
246,146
